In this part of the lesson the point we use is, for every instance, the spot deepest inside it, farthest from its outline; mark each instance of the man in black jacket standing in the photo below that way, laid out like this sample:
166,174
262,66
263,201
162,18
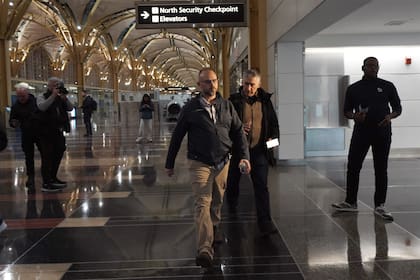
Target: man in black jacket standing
88,106
22,115
213,129
367,103
256,111
54,120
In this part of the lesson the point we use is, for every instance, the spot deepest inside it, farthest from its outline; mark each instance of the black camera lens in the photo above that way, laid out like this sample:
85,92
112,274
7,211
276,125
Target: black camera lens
63,90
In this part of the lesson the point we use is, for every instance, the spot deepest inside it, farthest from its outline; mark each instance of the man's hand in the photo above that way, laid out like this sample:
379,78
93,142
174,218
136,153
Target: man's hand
55,92
385,122
170,172
359,117
14,123
247,127
244,166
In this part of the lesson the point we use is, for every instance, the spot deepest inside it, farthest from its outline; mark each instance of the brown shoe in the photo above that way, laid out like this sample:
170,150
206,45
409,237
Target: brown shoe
204,260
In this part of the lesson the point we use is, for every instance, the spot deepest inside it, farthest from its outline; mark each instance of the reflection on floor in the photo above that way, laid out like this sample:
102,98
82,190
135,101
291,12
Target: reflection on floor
121,217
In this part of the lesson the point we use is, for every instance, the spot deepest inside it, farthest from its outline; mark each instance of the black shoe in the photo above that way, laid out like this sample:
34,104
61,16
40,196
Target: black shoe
267,228
58,183
232,205
218,236
204,260
31,190
233,209
51,188
30,183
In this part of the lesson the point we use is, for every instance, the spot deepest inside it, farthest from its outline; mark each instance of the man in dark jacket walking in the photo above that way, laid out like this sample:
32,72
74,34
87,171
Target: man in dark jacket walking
256,111
88,106
22,115
213,128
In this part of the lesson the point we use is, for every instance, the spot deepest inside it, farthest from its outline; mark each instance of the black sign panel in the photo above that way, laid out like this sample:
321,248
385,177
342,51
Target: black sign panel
191,15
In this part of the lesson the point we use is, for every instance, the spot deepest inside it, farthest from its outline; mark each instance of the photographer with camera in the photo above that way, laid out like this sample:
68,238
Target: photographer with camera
22,116
54,120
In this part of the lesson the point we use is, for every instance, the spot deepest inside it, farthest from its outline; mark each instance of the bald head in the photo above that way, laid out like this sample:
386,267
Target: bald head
208,82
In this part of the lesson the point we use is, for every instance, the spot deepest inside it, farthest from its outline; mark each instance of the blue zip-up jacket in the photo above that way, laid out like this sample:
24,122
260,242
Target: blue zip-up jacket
208,142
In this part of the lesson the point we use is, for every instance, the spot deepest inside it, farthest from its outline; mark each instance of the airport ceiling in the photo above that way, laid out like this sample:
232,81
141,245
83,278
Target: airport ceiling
380,17
100,31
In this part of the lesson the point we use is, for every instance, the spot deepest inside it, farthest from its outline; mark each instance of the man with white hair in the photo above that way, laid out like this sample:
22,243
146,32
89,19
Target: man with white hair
22,115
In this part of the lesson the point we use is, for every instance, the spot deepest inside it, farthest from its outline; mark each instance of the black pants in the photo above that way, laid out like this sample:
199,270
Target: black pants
380,141
259,174
28,140
53,145
87,120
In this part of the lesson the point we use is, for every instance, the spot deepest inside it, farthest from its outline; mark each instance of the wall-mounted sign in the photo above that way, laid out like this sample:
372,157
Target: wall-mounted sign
159,15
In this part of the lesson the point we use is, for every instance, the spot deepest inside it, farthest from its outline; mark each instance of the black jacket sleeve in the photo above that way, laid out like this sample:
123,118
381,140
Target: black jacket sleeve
237,133
3,138
394,100
273,122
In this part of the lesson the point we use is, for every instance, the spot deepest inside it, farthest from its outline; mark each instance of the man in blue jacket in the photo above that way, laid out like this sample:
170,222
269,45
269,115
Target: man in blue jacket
213,129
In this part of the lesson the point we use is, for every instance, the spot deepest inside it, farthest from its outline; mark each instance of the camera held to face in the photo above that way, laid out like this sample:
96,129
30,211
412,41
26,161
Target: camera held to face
62,90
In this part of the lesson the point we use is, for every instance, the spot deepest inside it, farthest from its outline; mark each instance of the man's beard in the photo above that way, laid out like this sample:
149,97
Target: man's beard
209,93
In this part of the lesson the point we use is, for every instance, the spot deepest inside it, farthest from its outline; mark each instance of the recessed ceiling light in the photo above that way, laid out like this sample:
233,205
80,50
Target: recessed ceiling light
396,22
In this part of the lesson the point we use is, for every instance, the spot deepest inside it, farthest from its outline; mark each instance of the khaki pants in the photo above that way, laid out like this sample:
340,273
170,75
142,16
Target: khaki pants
209,187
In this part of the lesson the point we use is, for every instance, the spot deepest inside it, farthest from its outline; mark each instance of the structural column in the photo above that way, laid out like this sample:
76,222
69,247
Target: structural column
5,79
225,61
257,47
289,96
80,76
115,85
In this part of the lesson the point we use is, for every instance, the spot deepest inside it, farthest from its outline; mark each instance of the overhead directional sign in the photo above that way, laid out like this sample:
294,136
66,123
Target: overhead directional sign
166,15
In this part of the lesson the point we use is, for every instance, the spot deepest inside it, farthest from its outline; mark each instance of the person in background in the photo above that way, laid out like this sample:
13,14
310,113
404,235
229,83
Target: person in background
214,129
146,119
367,103
53,121
256,111
3,145
22,115
89,105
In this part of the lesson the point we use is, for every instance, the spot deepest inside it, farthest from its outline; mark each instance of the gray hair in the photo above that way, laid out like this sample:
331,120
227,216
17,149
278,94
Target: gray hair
252,73
56,80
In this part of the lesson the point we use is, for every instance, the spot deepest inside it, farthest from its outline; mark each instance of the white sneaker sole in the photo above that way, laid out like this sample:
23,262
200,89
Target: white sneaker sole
344,209
3,226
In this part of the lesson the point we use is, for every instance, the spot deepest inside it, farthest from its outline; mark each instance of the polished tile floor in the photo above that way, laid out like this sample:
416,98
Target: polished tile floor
121,217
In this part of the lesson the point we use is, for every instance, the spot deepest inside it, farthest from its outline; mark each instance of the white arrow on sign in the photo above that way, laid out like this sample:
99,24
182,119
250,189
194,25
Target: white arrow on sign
145,15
